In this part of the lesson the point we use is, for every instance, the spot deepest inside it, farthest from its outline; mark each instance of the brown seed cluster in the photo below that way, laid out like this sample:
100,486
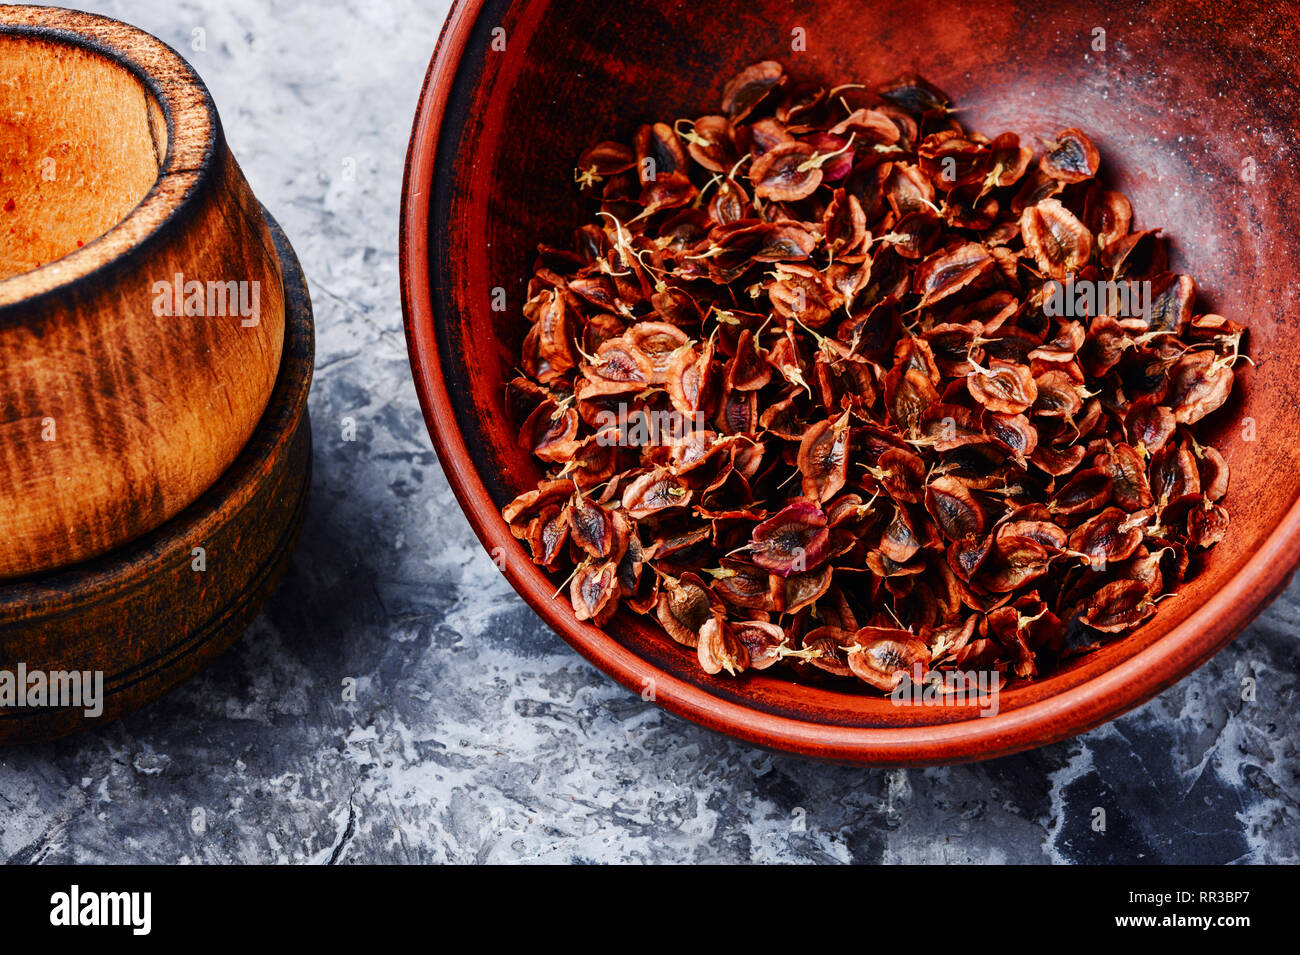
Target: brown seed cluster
833,382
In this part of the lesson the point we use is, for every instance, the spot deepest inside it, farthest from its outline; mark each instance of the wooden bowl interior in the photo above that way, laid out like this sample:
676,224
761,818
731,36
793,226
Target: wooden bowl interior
81,143
1172,110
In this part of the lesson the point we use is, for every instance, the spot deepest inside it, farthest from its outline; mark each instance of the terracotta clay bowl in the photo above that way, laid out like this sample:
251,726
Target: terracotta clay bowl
141,311
1175,114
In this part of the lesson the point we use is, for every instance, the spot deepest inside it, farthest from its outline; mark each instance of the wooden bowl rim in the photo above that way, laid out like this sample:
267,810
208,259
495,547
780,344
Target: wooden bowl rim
193,137
1074,710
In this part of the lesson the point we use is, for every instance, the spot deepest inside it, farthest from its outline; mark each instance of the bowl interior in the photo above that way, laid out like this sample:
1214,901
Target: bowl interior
1202,147
81,143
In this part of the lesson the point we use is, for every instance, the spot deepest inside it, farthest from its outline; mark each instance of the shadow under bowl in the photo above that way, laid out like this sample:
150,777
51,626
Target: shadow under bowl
1204,147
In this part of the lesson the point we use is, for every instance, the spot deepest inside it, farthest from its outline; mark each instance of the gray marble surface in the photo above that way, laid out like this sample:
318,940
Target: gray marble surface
477,735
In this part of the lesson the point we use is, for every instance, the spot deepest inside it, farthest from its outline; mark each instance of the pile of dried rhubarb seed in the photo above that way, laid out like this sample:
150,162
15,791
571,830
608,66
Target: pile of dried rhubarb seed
832,382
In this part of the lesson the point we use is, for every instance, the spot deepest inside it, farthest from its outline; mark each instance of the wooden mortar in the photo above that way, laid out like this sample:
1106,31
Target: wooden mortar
154,468
119,198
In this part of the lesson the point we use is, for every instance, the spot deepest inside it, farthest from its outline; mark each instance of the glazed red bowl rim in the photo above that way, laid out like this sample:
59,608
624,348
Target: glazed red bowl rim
1074,710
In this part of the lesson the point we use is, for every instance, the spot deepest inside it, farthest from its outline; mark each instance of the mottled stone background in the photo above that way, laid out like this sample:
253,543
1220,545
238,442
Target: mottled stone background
477,734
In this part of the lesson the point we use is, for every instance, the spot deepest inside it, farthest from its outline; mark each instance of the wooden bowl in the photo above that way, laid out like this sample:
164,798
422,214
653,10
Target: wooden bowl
141,312
145,616
1175,114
